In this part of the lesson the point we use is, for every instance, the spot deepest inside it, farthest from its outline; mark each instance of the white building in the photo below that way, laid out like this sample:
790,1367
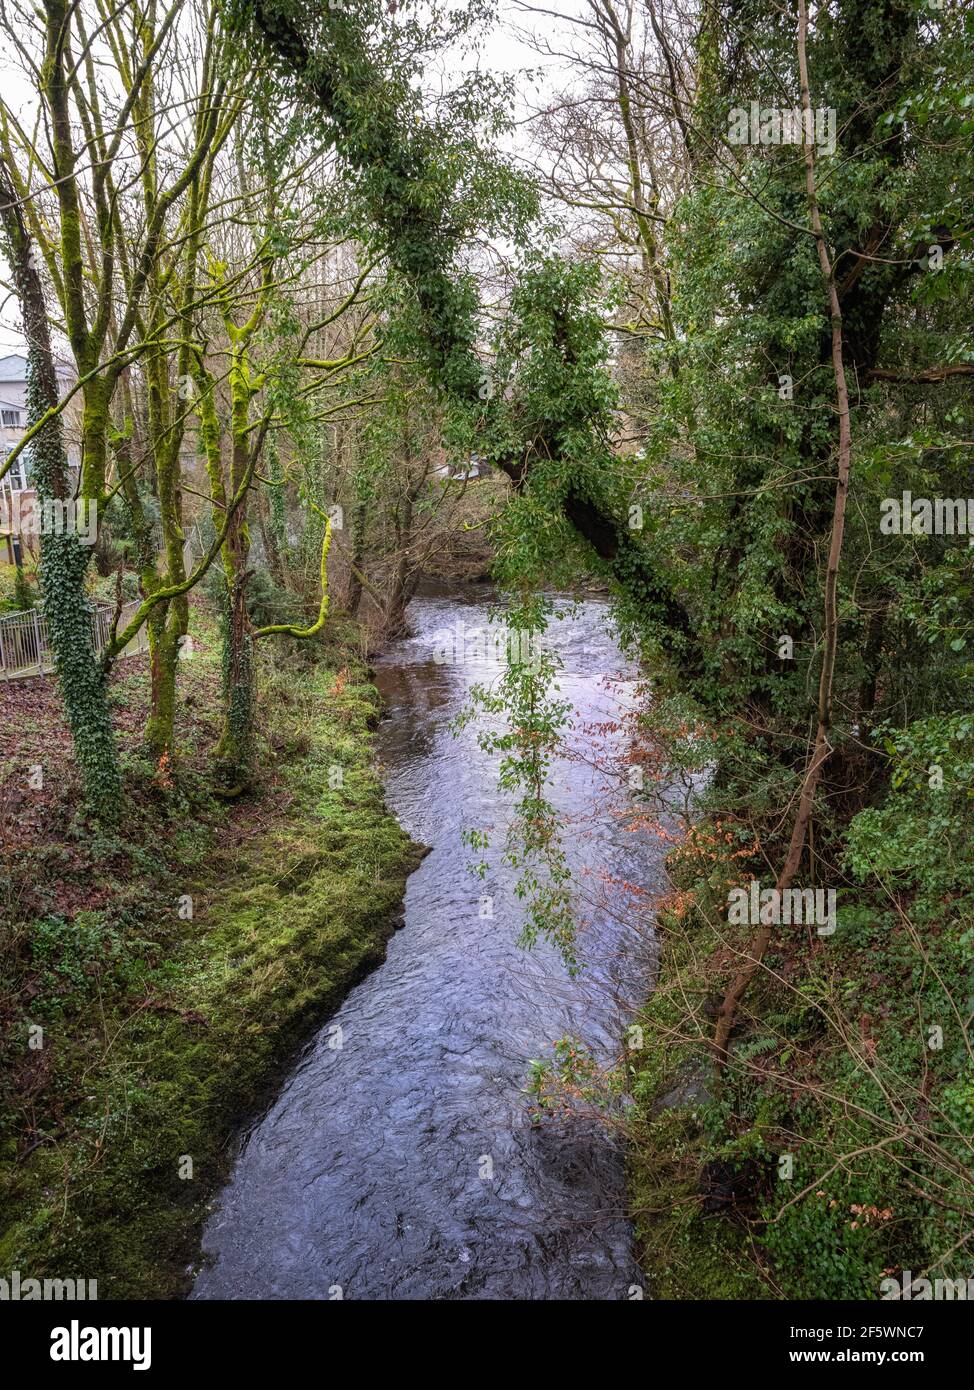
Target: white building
13,422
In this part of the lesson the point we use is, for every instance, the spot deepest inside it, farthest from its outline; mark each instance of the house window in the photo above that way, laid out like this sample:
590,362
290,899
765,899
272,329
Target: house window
10,419
16,479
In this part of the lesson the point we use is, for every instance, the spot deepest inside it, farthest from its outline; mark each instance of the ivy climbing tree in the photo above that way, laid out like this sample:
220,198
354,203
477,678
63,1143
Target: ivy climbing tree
64,557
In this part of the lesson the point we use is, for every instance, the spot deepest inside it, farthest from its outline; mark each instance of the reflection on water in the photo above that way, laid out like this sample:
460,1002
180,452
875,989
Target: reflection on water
367,1172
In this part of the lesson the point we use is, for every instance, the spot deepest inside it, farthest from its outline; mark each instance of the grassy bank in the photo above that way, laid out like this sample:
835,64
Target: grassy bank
835,1150
157,982
685,1251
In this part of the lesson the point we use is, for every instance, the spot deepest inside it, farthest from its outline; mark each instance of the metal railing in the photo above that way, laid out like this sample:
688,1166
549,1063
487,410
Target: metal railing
25,648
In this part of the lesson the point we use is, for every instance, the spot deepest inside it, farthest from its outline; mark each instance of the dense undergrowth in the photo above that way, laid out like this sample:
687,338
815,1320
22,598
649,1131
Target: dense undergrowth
834,1151
157,980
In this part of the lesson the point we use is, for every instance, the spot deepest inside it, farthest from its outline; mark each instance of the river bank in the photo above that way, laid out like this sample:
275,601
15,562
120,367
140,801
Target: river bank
158,981
405,1164
833,1150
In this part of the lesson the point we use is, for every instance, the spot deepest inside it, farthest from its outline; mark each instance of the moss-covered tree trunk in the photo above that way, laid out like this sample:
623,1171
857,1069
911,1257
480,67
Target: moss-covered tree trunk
234,753
276,540
170,619
235,750
64,559
163,630
163,655
402,582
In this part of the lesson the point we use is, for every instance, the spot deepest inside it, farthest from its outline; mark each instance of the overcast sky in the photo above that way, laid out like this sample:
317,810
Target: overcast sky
500,51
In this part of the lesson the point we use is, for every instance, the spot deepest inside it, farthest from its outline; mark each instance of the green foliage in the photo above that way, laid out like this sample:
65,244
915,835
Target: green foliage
421,184
920,836
269,602
24,597
569,1080
713,534
826,1247
526,694
77,959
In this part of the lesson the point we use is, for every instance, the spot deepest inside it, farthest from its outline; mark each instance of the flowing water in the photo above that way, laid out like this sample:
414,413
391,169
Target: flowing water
404,1165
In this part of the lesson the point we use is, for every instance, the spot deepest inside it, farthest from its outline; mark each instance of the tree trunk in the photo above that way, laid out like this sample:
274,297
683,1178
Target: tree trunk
235,749
822,747
64,559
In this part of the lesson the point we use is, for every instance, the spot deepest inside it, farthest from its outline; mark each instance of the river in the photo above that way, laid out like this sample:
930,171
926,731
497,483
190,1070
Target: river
403,1164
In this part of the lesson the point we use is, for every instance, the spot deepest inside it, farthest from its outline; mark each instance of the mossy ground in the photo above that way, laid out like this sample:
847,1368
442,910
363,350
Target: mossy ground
161,1031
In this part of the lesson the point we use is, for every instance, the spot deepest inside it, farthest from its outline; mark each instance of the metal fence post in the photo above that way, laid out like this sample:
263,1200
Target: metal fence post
37,640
